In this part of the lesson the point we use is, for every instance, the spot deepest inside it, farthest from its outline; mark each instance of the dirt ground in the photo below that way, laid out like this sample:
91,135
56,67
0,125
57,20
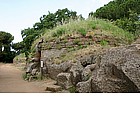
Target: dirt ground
11,81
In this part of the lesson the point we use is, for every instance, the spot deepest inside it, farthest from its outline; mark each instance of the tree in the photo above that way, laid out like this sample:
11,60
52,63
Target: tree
46,22
117,9
6,55
124,13
18,47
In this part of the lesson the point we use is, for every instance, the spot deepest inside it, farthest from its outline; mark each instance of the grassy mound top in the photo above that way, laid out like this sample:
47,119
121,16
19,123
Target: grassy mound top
82,27
90,29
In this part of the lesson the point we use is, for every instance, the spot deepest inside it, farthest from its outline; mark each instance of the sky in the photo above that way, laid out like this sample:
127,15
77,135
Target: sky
16,15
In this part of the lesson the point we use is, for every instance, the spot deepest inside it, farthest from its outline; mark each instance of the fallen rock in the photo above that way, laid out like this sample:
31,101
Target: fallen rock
64,80
53,88
84,87
86,74
65,66
54,69
76,71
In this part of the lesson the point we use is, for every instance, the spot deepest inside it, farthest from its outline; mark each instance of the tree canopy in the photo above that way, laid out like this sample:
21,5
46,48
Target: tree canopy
49,21
6,55
117,9
125,13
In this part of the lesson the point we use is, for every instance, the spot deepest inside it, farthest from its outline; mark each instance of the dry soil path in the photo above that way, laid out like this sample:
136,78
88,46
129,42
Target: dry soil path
11,81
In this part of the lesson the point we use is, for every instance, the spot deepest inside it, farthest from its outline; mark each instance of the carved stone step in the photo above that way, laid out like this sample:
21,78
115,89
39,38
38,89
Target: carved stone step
53,88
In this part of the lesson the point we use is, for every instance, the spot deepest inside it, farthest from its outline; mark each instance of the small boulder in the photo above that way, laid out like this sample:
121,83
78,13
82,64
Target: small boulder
53,88
76,73
64,80
54,69
65,66
119,71
84,87
86,60
86,73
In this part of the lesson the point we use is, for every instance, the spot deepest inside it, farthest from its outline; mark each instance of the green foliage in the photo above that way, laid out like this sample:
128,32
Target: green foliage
82,31
124,12
84,26
20,58
70,49
117,9
92,25
30,77
72,89
58,32
103,43
25,76
47,22
81,47
6,55
5,38
39,76
18,47
131,24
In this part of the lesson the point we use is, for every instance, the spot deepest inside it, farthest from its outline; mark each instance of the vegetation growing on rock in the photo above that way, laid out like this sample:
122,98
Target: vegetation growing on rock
83,37
78,53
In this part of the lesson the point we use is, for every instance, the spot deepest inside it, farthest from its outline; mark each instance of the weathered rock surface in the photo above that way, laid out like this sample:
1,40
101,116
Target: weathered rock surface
64,80
48,55
86,73
119,71
115,70
84,87
53,88
86,60
54,69
76,71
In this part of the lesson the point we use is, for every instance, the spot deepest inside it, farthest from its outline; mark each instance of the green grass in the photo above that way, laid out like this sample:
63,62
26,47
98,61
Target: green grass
103,43
82,31
109,29
92,28
82,27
